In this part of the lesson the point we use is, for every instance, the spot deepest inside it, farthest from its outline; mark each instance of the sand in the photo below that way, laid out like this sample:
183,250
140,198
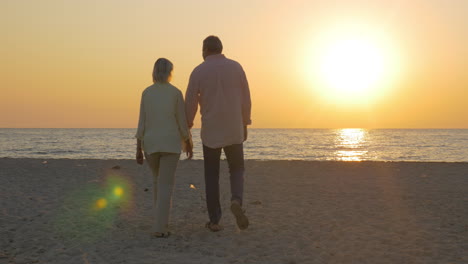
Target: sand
70,211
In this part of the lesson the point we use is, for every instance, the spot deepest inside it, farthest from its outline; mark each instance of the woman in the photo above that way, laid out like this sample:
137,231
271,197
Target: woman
162,130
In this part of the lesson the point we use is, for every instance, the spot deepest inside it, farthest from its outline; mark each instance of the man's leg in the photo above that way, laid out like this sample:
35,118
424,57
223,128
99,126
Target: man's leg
235,158
211,160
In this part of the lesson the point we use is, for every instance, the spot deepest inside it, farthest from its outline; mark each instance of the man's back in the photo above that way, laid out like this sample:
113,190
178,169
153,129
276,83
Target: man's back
220,86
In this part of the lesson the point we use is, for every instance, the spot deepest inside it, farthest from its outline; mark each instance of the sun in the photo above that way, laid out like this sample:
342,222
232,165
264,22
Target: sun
352,65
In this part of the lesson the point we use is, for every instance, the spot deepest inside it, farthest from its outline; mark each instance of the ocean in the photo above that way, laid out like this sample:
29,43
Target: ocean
441,145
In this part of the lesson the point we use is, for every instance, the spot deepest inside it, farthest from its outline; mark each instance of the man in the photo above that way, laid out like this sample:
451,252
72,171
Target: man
220,86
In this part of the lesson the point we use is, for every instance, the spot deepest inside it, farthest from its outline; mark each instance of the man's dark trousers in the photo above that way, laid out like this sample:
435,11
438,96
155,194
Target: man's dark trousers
235,158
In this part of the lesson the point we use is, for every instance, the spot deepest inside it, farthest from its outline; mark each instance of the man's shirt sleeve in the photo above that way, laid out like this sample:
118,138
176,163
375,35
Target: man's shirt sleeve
191,100
246,101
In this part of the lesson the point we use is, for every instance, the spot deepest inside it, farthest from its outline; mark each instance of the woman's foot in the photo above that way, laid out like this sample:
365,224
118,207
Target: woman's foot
213,227
161,235
241,218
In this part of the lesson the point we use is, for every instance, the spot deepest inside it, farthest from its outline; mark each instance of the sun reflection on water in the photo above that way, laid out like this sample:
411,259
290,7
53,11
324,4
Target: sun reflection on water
350,143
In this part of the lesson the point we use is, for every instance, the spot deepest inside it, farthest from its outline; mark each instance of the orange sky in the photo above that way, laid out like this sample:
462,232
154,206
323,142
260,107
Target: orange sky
85,63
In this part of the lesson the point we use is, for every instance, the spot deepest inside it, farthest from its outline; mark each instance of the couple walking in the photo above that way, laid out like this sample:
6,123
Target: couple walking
220,87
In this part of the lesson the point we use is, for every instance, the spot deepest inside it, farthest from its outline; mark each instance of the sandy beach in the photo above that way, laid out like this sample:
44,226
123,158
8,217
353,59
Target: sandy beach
99,211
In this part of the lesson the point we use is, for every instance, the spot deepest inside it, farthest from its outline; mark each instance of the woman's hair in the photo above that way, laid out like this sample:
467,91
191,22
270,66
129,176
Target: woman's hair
162,70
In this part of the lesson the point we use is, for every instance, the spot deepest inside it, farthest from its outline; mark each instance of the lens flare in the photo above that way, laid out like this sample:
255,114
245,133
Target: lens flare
101,203
85,216
92,209
118,191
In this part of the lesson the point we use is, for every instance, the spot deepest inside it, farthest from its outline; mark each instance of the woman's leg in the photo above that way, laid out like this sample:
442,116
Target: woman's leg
167,168
153,163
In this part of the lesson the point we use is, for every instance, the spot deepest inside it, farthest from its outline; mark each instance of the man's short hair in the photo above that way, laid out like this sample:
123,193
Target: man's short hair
213,44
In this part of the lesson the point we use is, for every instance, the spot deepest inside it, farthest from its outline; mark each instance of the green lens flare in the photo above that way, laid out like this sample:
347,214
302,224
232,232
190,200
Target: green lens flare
101,203
89,213
118,191
85,215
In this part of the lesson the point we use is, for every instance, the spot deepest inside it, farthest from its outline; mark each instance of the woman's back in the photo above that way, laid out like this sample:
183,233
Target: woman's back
161,128
164,119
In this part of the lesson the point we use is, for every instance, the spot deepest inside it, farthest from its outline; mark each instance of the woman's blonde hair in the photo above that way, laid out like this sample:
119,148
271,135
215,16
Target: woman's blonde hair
162,70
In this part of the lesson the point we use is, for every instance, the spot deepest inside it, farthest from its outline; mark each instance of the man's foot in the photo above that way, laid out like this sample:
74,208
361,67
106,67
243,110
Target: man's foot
213,227
241,218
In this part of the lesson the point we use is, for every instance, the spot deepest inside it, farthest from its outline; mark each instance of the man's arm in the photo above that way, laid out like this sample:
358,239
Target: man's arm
246,104
191,100
181,118
182,122
246,101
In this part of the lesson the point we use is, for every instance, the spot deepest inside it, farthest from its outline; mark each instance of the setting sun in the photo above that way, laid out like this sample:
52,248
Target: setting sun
353,64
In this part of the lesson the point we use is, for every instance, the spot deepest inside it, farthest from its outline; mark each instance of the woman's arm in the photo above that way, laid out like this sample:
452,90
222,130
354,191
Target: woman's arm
139,153
140,133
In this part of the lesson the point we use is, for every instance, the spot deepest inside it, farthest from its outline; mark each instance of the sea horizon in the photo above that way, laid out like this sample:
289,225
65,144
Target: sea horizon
348,144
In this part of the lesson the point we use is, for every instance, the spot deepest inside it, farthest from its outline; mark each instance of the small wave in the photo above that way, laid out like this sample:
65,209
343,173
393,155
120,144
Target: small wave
62,151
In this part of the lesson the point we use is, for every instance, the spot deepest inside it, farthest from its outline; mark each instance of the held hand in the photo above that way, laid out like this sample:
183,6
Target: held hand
245,133
139,157
189,149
